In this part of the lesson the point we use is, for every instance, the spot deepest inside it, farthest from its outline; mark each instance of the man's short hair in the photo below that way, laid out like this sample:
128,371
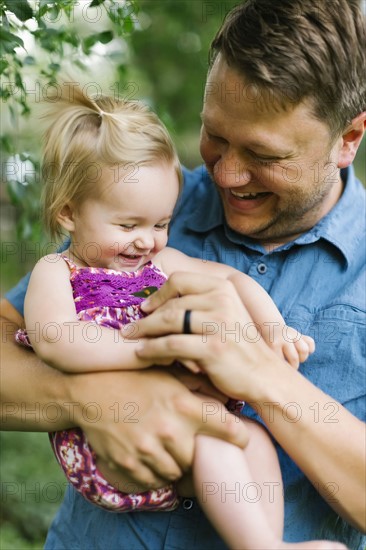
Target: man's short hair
298,50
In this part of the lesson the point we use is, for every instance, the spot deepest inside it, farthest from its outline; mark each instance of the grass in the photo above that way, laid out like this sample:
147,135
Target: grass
32,487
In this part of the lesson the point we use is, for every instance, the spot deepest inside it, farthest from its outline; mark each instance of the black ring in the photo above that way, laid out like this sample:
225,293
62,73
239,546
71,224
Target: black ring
187,322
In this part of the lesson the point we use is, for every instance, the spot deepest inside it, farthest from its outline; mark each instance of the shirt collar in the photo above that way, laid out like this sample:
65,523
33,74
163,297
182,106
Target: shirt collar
341,226
213,215
350,207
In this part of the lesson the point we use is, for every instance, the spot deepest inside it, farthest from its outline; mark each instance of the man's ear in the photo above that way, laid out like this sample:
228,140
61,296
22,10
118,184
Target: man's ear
66,218
351,140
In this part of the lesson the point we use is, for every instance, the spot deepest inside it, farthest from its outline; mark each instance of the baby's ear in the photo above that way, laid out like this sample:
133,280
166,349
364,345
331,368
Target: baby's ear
66,218
352,138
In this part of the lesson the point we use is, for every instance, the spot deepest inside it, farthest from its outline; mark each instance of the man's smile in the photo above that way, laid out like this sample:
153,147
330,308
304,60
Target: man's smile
248,196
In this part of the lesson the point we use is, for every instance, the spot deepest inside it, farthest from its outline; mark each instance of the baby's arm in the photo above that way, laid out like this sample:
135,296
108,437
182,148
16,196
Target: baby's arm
284,340
59,338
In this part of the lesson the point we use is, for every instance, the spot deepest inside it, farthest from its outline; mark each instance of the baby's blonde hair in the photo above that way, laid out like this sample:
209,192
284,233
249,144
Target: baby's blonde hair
85,134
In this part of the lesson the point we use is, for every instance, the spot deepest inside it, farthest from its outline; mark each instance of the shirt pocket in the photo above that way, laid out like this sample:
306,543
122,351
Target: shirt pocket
338,365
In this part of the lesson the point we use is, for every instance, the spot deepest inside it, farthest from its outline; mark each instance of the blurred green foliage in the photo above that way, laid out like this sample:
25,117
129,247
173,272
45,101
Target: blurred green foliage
38,40
31,489
155,50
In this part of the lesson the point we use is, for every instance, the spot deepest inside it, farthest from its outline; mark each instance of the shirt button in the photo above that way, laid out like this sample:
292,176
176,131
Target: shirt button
187,503
262,268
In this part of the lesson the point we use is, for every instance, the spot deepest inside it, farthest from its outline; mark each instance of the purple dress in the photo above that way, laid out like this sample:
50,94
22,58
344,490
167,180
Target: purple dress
108,298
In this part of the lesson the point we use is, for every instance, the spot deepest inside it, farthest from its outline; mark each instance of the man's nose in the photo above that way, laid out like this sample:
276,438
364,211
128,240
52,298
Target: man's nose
230,171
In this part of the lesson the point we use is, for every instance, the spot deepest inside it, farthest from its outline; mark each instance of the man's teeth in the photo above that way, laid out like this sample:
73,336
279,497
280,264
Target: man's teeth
246,195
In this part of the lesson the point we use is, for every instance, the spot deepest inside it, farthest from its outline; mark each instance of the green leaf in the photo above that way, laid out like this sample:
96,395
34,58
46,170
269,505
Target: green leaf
21,9
41,12
128,25
10,40
71,38
145,292
13,114
89,41
96,3
54,66
6,143
5,93
105,37
50,39
3,65
19,81
53,13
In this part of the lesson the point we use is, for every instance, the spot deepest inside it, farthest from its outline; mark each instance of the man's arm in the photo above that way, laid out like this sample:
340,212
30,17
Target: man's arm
143,421
331,455
28,386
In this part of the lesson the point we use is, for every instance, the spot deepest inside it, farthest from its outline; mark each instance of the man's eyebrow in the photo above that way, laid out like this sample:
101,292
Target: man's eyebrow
207,121
267,149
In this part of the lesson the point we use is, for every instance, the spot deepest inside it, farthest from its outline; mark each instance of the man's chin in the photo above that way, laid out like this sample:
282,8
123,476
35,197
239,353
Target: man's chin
250,230
270,236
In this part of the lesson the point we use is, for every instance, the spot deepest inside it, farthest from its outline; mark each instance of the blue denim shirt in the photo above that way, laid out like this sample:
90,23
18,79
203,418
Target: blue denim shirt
318,283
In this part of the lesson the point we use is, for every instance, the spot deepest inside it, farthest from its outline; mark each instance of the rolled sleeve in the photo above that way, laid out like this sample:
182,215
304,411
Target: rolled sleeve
17,294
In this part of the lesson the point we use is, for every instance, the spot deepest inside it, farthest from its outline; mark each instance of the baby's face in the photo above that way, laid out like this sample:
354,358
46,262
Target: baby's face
127,225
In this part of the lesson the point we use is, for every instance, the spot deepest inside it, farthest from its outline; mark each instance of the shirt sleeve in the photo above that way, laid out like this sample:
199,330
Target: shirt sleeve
17,294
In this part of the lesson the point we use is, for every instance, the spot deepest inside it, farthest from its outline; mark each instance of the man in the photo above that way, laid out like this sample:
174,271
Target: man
283,116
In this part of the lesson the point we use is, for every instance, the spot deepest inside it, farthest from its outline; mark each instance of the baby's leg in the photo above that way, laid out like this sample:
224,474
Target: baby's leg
241,492
233,496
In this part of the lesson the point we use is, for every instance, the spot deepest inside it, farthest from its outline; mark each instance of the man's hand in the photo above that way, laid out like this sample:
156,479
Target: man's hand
144,422
217,344
147,422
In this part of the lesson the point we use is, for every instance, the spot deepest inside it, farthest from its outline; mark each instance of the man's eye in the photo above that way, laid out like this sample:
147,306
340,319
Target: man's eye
265,160
215,138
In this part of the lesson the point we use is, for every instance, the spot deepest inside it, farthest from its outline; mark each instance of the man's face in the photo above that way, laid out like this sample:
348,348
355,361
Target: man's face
276,171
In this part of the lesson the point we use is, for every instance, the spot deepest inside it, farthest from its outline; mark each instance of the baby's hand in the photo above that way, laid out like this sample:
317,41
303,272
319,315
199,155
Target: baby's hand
292,345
